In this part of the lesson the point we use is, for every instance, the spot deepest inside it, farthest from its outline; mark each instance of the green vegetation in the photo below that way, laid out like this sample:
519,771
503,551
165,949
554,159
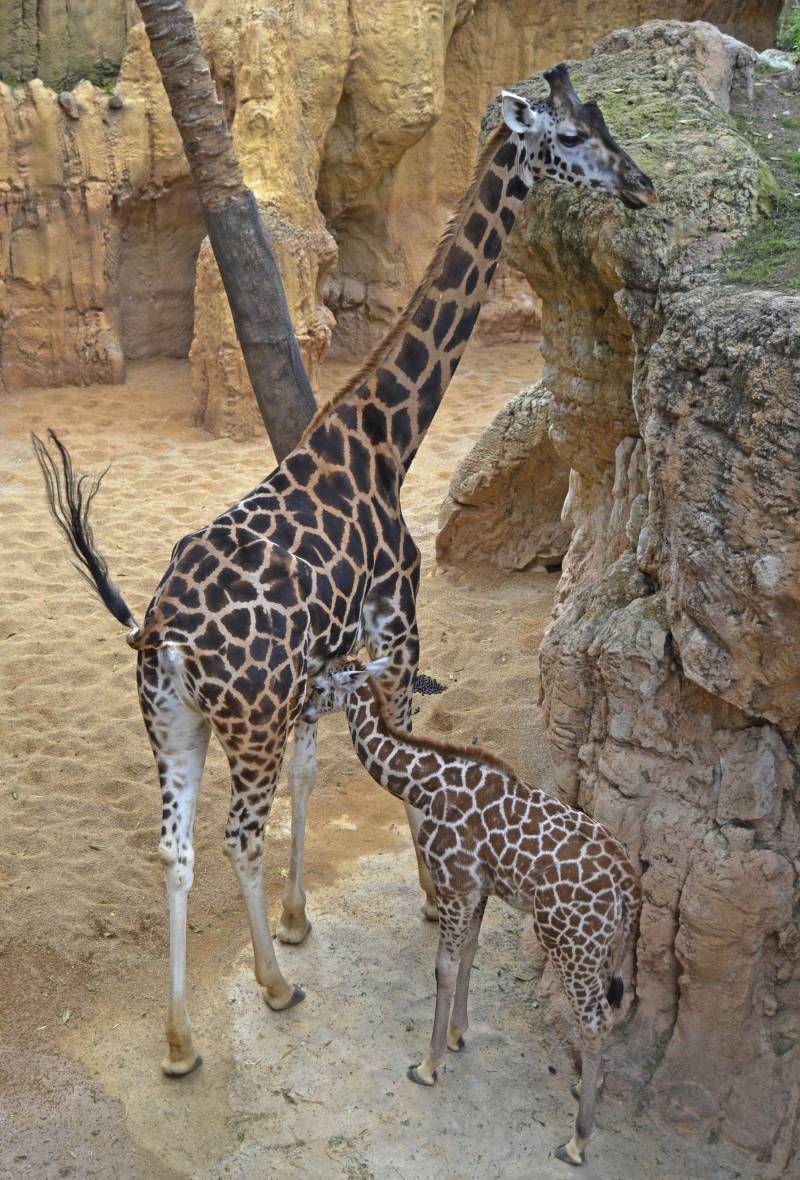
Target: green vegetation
769,253
788,37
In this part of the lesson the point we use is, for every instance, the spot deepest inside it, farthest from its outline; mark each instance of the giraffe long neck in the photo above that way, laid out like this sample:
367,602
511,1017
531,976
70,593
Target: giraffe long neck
391,401
405,768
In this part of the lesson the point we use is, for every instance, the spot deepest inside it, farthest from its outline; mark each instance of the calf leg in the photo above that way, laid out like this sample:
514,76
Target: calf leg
455,915
593,1011
459,1022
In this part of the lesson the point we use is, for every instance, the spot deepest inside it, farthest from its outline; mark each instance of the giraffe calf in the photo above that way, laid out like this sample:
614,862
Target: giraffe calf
485,832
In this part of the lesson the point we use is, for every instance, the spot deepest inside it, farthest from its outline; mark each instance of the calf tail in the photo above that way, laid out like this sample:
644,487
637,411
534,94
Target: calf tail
631,904
69,497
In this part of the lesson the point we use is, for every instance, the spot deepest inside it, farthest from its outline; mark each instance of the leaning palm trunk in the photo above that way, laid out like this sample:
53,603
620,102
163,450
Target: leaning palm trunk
238,236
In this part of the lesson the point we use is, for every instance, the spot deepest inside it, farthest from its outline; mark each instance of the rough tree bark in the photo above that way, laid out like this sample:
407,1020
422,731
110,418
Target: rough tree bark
238,236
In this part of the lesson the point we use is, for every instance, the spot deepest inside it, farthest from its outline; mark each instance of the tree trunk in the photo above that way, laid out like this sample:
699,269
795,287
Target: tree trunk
238,236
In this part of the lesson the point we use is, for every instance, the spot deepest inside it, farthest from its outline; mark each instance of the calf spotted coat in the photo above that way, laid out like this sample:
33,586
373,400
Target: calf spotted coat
484,833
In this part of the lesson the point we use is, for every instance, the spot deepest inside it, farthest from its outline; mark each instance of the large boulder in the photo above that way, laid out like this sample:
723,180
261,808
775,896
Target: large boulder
505,501
670,672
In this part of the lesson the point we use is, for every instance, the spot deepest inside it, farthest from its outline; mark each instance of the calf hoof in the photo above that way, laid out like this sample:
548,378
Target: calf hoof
414,1075
455,1044
182,1066
278,1004
562,1152
293,930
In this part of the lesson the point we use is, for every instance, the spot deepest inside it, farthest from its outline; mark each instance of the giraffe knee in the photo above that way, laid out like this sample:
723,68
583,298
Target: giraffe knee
178,862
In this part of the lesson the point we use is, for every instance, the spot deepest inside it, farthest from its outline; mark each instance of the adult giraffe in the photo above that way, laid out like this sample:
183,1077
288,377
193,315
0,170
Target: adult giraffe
317,558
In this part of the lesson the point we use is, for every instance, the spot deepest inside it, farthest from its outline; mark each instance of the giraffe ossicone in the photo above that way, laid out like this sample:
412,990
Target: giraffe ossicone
317,558
487,833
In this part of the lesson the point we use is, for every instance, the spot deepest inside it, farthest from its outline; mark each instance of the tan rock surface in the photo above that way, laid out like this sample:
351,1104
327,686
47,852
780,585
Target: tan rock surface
368,114
669,674
62,41
505,499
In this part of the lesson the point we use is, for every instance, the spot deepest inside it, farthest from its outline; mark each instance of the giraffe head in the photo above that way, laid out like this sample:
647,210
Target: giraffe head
328,691
567,140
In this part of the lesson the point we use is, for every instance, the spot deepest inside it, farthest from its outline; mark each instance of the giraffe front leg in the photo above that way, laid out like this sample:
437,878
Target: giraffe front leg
294,924
426,1073
455,918
459,1021
390,632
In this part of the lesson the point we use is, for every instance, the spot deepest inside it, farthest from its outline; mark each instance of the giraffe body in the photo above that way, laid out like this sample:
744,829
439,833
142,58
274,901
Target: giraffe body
484,833
317,559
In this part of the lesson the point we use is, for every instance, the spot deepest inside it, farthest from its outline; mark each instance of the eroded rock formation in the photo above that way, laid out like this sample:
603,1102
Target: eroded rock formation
669,675
504,507
368,115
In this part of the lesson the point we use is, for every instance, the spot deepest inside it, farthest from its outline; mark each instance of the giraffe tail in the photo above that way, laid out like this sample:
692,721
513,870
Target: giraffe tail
69,497
631,904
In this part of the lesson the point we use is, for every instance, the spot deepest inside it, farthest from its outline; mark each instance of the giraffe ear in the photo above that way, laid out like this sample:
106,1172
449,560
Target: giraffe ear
350,679
518,114
377,668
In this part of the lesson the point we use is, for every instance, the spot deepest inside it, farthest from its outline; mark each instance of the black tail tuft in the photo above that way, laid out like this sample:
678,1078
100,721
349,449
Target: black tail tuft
69,497
615,991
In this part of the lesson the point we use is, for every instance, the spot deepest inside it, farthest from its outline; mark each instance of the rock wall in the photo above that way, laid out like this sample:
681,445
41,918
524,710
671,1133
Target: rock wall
63,41
352,122
669,675
504,507
462,54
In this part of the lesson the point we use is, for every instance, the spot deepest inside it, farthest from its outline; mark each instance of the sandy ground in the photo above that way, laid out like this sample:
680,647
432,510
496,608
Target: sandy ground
319,1091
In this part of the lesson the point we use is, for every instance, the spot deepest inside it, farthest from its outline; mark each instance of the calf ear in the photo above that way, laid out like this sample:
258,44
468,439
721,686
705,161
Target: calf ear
378,667
518,114
350,678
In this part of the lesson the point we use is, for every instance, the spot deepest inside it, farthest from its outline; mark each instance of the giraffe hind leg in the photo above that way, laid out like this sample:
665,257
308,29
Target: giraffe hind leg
593,1011
254,778
179,737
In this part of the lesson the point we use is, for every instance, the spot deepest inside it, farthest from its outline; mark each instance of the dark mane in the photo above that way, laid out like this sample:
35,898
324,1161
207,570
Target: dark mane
451,749
381,351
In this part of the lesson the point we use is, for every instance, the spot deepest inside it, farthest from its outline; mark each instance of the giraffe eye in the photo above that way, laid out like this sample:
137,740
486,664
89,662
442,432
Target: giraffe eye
570,139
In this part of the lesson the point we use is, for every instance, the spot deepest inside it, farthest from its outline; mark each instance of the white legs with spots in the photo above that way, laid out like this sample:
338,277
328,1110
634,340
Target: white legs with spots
294,924
180,741
248,864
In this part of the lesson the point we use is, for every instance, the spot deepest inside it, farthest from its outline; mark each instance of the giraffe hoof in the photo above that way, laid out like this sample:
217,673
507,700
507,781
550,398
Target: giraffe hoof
180,1069
413,1075
295,932
562,1153
296,997
456,1046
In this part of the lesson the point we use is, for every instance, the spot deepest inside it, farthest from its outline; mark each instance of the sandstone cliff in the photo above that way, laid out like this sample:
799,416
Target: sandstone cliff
670,673
353,122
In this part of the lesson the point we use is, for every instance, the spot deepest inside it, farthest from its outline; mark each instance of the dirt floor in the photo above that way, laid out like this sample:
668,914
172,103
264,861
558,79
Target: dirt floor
319,1091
